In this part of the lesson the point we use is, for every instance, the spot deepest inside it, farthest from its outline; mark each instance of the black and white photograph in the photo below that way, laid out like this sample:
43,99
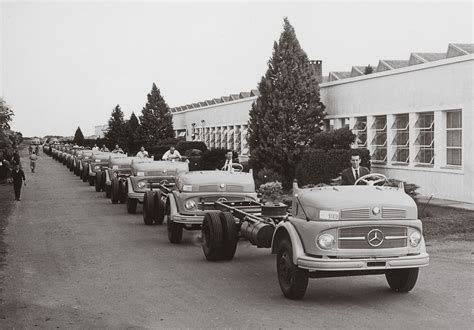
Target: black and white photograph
236,164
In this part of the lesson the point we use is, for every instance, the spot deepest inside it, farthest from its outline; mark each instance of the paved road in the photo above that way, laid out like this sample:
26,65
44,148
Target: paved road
76,260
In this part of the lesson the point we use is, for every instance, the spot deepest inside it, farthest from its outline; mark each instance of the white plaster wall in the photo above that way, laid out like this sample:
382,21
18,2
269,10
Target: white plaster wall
223,114
441,85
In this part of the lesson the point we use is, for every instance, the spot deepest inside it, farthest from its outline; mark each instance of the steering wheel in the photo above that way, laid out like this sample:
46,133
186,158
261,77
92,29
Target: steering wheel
380,179
236,167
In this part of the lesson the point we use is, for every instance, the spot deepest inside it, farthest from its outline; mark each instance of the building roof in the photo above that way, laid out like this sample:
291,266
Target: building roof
454,49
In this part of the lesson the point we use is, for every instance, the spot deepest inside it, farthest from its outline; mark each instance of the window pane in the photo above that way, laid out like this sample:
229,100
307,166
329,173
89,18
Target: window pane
454,157
454,138
454,119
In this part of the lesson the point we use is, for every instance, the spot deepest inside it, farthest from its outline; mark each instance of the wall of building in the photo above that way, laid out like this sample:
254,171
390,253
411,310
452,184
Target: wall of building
433,88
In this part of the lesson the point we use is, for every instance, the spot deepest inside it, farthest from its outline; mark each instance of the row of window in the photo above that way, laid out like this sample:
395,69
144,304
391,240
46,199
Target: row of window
400,131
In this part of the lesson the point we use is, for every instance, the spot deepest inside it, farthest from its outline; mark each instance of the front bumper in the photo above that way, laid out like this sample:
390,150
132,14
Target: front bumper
188,219
379,263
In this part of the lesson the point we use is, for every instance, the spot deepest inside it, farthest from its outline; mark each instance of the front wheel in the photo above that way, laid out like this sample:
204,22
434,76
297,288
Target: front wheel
149,208
402,280
132,205
293,280
212,237
175,232
98,182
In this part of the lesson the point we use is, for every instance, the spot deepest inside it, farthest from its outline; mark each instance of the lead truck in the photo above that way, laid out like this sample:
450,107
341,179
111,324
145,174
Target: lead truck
331,231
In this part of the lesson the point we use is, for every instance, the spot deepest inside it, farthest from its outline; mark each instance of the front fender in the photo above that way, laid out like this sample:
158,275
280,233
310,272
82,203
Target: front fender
172,204
286,230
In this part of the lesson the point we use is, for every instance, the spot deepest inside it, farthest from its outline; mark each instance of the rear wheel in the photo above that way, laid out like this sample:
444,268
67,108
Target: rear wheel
132,205
98,182
402,280
108,191
212,237
149,208
293,280
230,235
114,191
159,208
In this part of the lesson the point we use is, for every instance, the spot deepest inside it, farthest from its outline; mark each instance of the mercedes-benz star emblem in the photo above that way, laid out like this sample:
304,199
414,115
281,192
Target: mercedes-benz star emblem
375,237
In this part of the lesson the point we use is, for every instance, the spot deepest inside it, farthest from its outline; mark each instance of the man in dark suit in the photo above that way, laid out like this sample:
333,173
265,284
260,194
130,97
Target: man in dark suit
351,174
228,162
18,177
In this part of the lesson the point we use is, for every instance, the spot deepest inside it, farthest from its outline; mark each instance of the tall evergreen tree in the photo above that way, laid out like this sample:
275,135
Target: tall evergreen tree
288,113
78,137
133,137
117,132
156,122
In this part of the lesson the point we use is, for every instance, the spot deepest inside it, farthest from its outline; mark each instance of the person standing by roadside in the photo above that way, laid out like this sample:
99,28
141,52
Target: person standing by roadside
33,159
19,179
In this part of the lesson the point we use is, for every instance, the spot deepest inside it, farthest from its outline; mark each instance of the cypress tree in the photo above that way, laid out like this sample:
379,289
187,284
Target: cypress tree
78,137
116,133
156,121
288,114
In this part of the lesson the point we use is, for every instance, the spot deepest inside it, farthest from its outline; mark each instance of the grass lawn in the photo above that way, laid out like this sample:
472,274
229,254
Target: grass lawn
447,222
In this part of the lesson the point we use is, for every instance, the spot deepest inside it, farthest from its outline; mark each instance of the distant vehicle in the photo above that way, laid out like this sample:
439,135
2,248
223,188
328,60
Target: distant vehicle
195,196
150,183
36,141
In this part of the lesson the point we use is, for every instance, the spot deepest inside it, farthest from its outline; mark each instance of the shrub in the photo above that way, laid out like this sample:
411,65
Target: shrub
410,188
321,166
266,175
271,191
186,145
170,141
341,138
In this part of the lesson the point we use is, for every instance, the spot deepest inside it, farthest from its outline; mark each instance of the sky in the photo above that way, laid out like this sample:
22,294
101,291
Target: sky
66,64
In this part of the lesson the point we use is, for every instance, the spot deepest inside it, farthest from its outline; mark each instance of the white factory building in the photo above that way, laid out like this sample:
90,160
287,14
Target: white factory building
414,115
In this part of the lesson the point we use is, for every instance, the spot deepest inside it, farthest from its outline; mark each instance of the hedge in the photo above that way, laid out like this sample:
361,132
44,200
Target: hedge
186,145
321,166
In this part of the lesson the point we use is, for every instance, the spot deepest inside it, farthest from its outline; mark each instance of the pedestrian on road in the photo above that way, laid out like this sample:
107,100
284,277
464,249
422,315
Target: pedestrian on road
19,179
16,157
33,159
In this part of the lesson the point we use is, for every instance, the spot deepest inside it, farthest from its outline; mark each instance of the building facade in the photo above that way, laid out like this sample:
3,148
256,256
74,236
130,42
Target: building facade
415,116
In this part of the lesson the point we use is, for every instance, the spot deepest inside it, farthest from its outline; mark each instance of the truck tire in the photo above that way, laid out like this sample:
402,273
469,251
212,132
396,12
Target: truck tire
85,174
98,182
402,280
122,191
175,232
132,205
114,191
159,208
149,208
212,236
91,180
108,191
293,280
230,235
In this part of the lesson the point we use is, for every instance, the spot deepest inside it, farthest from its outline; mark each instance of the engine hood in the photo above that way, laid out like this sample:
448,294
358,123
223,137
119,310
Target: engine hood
356,202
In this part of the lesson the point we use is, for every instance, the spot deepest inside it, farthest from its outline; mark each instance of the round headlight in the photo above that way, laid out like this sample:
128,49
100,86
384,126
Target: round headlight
190,205
141,185
326,241
96,167
414,238
376,210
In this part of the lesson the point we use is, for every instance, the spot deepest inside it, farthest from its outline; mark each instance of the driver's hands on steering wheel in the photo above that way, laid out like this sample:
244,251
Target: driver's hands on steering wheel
379,179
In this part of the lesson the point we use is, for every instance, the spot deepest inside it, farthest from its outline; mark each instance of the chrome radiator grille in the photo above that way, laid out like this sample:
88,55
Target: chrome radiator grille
392,213
354,214
357,237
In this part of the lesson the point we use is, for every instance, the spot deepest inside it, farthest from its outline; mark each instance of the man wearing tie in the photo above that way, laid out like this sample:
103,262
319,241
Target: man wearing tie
228,161
351,174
